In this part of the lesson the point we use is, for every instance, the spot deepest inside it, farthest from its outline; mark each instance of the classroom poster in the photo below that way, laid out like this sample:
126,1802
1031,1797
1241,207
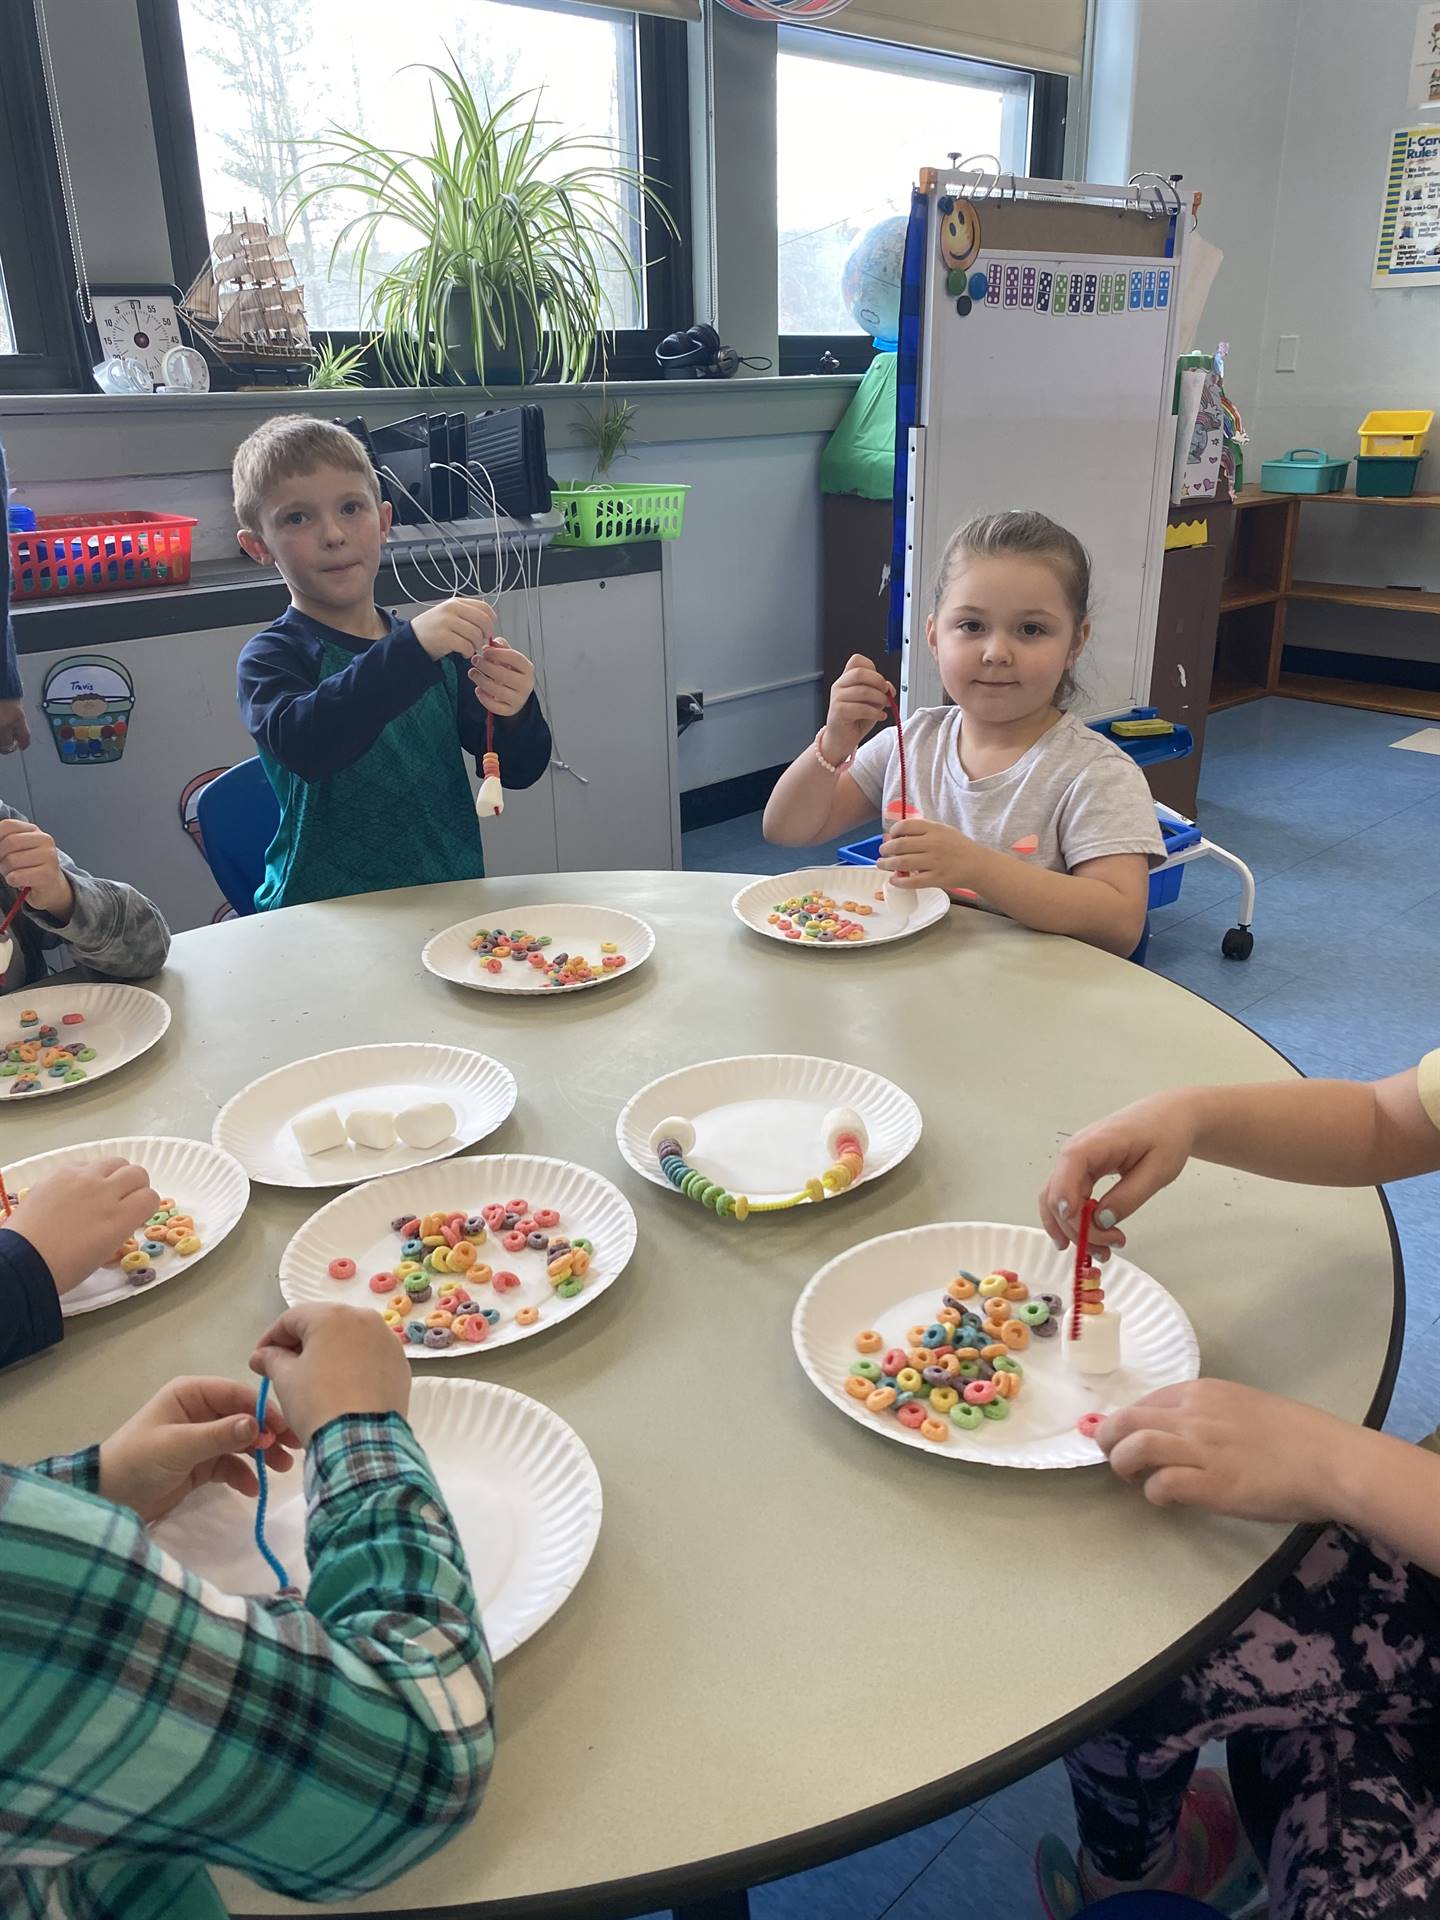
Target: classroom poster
1424,90
1408,251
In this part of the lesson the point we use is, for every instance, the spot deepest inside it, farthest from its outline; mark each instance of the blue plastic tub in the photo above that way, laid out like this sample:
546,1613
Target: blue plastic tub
1164,882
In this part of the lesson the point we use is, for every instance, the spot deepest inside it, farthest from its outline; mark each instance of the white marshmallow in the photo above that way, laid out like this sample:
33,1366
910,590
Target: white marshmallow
898,900
682,1132
372,1127
844,1120
1098,1348
491,798
426,1125
319,1131
7,954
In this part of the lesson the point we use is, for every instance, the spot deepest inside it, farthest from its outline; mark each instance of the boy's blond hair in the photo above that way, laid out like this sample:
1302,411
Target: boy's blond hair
282,449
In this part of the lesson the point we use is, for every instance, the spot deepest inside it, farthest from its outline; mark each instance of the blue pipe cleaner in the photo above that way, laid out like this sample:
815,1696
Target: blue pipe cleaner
263,1502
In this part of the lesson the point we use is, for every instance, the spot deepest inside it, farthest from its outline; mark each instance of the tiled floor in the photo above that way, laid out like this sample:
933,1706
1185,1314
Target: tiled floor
1343,835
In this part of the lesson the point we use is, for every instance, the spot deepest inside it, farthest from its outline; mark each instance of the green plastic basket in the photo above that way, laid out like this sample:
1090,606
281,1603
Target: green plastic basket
611,516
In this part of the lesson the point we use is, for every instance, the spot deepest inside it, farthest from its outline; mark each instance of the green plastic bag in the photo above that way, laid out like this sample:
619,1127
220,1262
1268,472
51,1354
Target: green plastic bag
860,455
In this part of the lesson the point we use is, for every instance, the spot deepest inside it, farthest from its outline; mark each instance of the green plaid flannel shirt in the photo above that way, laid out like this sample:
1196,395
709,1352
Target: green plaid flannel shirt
151,1726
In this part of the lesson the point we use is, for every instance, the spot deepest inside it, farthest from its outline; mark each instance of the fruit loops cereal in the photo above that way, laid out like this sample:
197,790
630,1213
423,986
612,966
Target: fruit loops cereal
40,1054
168,1230
560,970
959,1369
426,1296
815,916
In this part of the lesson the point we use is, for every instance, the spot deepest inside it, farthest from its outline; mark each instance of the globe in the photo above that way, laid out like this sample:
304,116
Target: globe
870,282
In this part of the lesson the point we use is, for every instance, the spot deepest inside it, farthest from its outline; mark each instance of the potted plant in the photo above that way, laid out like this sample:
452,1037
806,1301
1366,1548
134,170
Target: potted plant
605,513
514,231
337,367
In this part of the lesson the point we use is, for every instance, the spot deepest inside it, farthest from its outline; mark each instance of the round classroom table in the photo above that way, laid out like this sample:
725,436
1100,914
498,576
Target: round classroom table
741,1685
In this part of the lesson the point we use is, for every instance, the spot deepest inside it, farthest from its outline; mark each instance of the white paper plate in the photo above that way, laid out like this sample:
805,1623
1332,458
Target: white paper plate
755,903
572,929
357,1227
519,1483
893,1282
255,1124
120,1023
204,1180
759,1120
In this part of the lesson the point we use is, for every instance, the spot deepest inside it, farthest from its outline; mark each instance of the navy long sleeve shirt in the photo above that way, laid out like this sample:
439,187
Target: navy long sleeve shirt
29,1305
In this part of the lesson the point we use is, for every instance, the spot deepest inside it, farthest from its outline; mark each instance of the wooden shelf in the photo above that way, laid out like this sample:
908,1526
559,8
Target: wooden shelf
1233,693
1238,592
1392,599
1258,497
1421,703
1348,496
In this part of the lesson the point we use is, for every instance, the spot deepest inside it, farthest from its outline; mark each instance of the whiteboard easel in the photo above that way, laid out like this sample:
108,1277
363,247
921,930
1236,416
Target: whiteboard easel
1065,409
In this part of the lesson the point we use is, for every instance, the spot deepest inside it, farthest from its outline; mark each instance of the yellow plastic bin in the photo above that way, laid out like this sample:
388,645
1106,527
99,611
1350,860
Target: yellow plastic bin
1398,432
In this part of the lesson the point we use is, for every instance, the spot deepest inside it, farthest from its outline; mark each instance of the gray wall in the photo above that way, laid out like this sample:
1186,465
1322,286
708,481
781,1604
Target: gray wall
1360,346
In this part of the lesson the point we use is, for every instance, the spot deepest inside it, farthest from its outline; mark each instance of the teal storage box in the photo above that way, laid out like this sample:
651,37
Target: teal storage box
1304,470
1385,476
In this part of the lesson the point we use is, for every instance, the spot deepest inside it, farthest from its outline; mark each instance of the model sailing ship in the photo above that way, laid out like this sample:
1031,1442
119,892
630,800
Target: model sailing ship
245,304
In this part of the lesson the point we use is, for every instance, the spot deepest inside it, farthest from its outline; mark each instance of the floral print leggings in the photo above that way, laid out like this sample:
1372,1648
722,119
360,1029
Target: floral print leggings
1339,1675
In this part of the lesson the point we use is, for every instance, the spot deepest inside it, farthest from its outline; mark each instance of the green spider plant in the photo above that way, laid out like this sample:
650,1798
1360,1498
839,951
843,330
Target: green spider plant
336,366
606,430
515,230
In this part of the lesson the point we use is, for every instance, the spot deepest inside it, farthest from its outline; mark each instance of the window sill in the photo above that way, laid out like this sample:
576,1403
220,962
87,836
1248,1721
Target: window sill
52,437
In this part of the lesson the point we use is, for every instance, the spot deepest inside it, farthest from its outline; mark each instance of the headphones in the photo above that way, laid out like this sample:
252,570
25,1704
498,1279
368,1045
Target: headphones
696,354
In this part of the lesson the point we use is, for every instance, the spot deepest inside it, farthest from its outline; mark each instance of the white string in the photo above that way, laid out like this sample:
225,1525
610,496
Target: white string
417,555
62,153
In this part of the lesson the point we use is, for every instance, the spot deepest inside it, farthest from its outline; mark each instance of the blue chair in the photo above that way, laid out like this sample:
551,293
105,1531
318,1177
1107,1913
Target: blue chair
238,815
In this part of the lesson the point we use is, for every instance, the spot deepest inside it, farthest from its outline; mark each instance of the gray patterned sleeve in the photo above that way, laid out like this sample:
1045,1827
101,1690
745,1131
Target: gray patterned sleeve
114,929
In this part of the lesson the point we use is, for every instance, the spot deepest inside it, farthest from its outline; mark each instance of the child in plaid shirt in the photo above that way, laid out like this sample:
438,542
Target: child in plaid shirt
152,1726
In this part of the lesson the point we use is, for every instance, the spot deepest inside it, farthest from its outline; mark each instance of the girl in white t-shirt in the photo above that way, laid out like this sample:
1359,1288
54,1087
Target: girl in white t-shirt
1016,805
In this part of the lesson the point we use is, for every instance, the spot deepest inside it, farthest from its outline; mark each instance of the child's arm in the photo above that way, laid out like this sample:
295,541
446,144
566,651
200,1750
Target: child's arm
1102,901
316,731
107,925
1234,1450
320,1747
55,1238
501,681
1326,1133
808,803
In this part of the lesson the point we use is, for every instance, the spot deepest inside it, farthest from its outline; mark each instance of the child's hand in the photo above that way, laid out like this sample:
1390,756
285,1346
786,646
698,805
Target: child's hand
330,1360
1147,1145
922,853
859,700
192,1432
14,727
455,626
502,678
76,1218
1232,1449
29,858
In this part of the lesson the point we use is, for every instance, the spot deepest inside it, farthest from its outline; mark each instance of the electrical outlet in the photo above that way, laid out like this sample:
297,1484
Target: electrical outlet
1287,353
689,707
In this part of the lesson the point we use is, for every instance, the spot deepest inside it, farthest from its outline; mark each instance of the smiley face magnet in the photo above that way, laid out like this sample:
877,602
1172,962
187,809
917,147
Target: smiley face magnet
959,233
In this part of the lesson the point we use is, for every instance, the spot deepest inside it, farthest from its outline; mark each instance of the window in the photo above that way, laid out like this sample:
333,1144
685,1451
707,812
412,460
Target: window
39,339
855,122
261,77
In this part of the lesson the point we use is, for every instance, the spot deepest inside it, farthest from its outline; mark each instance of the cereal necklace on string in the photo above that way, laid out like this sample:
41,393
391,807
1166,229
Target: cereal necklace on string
846,1141
491,798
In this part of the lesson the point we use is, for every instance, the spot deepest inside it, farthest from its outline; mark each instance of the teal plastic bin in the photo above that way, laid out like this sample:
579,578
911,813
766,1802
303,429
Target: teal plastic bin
1304,470
1385,476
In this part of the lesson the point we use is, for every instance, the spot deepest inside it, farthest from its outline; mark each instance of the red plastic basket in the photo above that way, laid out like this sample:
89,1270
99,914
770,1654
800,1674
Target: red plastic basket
99,553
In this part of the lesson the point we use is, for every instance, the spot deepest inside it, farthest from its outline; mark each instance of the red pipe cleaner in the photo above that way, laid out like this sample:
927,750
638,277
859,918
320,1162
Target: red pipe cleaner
1082,1262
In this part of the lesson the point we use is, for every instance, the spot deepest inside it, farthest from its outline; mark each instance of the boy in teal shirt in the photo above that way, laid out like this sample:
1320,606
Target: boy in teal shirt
362,720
